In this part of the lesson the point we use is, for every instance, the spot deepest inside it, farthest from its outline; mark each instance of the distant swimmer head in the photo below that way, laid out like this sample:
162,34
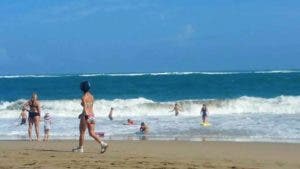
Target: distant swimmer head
85,86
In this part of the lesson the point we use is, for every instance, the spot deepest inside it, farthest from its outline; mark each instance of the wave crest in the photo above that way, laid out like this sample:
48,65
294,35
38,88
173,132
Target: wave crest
151,74
145,107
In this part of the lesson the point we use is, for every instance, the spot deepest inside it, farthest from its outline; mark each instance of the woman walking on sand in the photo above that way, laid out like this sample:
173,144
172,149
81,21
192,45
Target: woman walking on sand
87,118
34,115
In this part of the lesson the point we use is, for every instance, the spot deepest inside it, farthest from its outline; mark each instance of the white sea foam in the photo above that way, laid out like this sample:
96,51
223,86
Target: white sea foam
154,74
244,118
91,75
277,71
190,73
144,107
27,76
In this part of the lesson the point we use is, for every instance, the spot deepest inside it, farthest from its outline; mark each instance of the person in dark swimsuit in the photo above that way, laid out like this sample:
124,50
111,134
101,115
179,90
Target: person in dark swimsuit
111,113
34,115
143,128
204,113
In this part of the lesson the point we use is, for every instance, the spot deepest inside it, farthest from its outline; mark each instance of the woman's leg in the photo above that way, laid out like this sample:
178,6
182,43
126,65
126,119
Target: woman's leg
30,122
82,128
37,127
46,135
91,128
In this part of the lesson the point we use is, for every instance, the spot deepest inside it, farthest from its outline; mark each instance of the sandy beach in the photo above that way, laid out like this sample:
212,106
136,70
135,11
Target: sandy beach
151,154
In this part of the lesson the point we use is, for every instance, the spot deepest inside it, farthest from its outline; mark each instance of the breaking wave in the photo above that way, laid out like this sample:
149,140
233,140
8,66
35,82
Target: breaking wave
145,107
151,74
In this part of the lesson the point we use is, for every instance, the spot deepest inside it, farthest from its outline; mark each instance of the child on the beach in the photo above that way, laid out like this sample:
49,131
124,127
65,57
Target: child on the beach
47,126
23,116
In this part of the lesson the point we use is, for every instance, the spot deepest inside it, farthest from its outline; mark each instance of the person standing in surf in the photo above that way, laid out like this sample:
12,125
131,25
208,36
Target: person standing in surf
110,113
87,118
34,115
176,109
204,113
144,128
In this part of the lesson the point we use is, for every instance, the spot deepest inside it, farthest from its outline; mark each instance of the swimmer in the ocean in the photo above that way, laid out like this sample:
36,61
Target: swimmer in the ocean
176,109
130,122
110,113
204,113
144,128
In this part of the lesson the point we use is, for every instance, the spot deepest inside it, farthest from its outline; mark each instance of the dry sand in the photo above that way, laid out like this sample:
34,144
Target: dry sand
151,154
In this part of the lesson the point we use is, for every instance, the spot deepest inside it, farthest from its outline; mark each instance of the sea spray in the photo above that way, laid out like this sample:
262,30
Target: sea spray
145,107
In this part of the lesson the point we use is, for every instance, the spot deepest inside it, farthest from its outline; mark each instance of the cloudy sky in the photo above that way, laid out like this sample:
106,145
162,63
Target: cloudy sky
110,36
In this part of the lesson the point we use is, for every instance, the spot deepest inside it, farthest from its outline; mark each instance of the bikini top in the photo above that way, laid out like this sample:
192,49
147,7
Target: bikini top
33,104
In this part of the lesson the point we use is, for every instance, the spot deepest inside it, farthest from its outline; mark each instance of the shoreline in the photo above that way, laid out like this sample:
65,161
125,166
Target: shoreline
185,139
150,154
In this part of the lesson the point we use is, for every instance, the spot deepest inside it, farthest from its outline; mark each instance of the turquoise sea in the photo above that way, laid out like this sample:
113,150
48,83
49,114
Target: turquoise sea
243,106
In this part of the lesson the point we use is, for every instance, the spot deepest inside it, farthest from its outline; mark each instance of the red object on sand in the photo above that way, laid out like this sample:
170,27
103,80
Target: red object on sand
100,134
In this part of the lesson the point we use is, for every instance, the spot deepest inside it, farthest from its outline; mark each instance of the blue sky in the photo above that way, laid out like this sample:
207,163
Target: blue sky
63,36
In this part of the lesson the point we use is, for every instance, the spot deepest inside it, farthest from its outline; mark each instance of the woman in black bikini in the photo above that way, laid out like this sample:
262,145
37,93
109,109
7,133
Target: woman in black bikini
34,115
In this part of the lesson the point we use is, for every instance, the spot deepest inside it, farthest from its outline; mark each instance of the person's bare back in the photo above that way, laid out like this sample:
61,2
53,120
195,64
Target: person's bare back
87,103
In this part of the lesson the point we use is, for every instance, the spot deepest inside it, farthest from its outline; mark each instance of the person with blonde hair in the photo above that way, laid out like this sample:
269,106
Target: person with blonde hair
34,115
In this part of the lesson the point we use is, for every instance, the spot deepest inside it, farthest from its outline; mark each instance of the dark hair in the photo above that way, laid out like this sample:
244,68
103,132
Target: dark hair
85,86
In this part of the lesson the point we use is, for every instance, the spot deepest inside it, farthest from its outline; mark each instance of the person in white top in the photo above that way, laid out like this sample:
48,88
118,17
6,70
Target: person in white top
47,126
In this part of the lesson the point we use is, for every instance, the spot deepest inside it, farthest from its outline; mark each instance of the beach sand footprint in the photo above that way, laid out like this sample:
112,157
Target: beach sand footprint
30,164
235,167
208,165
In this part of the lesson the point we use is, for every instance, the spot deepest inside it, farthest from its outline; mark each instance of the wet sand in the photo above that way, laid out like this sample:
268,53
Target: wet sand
151,154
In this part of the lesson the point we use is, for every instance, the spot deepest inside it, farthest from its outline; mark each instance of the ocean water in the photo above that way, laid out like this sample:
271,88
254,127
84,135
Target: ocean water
243,106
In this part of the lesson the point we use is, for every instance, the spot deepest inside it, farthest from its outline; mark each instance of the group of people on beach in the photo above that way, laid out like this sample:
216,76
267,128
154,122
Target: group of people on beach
204,111
33,108
87,118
